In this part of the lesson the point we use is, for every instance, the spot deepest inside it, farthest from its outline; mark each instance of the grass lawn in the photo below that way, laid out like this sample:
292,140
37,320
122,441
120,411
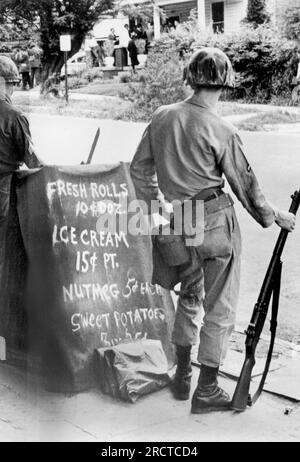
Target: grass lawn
261,121
114,88
104,89
228,108
106,108
117,108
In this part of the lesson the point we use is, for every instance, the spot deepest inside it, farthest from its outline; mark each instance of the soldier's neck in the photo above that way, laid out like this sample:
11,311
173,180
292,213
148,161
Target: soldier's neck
207,97
5,93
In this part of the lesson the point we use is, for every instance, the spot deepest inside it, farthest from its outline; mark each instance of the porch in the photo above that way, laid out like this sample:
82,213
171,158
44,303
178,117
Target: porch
218,16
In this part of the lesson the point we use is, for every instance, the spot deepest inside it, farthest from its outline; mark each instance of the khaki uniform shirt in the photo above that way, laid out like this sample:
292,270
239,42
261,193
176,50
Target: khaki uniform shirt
16,145
186,149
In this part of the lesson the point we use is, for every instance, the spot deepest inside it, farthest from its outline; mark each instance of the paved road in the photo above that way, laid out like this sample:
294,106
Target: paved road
67,140
274,157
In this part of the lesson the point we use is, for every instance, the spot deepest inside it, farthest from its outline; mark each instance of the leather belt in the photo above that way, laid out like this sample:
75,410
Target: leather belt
213,202
215,195
208,194
221,202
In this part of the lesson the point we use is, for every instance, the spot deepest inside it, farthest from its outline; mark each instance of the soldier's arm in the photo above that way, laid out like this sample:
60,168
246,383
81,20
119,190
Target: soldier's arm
24,144
143,171
244,184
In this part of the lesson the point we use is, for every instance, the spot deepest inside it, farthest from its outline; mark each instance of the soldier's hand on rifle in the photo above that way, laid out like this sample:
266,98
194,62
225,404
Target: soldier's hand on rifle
285,220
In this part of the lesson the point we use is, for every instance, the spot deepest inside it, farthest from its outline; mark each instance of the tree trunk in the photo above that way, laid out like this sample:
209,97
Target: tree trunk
52,65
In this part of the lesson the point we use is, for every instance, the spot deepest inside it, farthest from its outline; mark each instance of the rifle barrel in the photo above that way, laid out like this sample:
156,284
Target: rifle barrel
278,249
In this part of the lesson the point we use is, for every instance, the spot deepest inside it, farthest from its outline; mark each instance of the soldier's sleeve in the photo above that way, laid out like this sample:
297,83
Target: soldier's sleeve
143,172
24,144
243,182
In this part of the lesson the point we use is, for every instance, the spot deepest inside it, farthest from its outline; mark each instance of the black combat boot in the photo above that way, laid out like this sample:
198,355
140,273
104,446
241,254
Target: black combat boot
181,385
208,396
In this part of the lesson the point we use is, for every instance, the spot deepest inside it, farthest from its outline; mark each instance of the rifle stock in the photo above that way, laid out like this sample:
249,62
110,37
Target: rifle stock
241,395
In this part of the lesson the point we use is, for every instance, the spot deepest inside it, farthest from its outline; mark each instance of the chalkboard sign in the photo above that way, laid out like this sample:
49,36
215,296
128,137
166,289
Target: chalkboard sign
86,288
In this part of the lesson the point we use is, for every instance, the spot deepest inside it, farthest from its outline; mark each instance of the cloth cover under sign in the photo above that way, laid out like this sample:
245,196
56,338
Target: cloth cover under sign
130,370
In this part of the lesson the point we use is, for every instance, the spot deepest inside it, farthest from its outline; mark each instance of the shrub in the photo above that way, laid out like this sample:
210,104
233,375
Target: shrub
125,77
85,77
77,82
91,74
5,49
264,61
286,60
291,23
159,83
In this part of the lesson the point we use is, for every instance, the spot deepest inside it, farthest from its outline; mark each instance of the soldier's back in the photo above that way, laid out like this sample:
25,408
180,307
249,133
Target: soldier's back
9,152
187,140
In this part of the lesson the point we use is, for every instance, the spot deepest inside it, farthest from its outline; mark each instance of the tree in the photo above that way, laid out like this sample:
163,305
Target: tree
53,18
12,35
291,23
142,13
257,13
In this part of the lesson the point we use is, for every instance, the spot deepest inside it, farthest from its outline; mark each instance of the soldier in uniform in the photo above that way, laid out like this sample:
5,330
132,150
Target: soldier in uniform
183,154
16,145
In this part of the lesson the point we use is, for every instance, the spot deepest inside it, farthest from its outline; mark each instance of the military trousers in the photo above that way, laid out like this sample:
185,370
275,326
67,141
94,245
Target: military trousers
5,185
210,281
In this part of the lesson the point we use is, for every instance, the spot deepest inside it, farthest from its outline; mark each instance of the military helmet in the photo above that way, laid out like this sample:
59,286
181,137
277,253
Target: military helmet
209,67
8,70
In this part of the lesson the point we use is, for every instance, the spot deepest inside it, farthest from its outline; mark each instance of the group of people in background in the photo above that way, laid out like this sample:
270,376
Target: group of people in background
126,41
28,62
169,26
28,59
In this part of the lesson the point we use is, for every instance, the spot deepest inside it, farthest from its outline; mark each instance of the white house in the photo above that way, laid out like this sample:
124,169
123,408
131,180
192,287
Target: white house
222,16
216,15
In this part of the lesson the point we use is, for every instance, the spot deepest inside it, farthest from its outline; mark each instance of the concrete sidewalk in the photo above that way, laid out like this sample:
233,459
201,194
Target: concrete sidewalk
28,413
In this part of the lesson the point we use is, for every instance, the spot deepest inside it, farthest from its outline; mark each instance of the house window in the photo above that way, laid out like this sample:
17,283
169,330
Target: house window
217,10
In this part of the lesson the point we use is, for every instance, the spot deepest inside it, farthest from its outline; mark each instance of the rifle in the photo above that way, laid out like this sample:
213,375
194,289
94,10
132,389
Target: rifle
92,148
270,288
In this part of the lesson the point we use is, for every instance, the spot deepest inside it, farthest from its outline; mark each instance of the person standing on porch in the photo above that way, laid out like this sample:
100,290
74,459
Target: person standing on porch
133,51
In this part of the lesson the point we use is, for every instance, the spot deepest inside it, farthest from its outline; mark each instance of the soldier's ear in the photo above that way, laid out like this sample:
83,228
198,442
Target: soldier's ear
9,88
